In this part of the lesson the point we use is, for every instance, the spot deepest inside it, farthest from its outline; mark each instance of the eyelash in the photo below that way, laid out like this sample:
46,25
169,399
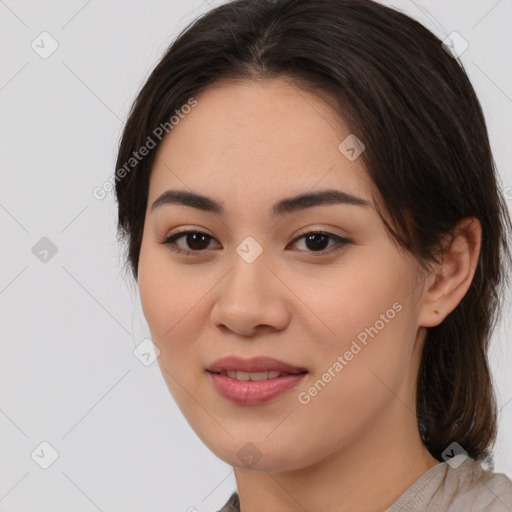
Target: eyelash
340,242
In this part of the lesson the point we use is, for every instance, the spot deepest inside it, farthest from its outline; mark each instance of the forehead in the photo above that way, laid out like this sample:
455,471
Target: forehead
257,139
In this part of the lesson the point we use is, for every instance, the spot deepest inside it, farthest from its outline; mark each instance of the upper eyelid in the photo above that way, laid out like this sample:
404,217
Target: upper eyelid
306,231
300,234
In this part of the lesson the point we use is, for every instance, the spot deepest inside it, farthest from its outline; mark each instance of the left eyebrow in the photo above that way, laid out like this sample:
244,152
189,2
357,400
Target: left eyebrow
279,209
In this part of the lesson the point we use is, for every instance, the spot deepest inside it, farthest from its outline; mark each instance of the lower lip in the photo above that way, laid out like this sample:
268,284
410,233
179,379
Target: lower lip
250,392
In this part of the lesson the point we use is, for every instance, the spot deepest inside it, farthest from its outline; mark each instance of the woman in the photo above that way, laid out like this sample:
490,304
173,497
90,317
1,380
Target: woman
311,212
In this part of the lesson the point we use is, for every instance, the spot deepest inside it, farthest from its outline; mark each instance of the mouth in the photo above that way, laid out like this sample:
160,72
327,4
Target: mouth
255,376
254,368
254,381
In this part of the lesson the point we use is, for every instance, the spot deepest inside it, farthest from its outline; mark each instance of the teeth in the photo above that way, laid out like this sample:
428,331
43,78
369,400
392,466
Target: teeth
234,374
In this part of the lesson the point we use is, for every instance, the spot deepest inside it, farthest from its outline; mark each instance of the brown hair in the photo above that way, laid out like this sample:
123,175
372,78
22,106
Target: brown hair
427,152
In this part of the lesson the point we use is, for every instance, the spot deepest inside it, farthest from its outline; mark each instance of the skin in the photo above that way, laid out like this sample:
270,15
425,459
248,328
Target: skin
355,445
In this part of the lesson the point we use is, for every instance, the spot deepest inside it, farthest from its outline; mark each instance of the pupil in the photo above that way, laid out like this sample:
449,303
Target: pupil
315,239
193,238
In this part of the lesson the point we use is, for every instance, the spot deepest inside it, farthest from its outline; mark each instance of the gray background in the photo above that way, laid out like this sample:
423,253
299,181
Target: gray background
68,326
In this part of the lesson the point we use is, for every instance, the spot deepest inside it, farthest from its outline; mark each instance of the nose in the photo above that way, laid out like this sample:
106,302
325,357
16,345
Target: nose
251,298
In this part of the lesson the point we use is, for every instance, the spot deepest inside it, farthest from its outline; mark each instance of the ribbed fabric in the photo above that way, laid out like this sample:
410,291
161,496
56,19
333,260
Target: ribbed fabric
232,505
468,488
443,488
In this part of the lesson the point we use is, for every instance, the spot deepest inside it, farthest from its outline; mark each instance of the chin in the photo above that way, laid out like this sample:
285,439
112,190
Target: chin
261,456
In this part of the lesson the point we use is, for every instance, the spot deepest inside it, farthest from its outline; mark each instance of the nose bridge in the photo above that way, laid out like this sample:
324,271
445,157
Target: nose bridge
250,274
250,294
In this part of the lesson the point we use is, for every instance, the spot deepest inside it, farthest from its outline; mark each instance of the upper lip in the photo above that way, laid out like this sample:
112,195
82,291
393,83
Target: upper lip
254,364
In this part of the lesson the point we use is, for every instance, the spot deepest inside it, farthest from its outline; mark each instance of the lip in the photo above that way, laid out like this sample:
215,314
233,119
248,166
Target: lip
248,392
254,392
253,364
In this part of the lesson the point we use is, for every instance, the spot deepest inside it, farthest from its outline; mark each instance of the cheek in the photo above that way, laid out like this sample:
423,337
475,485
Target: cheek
357,297
172,301
161,295
361,361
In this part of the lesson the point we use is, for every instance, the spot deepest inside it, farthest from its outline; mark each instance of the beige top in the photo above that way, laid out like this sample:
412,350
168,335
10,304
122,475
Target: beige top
443,488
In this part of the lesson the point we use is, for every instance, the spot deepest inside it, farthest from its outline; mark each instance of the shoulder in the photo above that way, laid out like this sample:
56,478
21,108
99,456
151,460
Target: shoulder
232,505
474,488
465,486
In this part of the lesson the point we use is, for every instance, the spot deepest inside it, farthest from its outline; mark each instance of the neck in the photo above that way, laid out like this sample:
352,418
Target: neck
367,476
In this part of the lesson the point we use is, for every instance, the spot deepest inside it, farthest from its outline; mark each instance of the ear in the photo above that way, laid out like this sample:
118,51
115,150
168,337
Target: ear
449,281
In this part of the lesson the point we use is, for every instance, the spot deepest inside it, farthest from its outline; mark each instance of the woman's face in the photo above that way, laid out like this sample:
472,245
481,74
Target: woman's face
346,312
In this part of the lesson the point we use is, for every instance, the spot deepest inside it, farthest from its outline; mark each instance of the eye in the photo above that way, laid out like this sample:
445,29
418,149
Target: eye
316,240
198,241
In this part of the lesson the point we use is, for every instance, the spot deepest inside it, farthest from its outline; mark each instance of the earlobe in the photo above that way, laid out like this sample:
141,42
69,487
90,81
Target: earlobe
449,282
